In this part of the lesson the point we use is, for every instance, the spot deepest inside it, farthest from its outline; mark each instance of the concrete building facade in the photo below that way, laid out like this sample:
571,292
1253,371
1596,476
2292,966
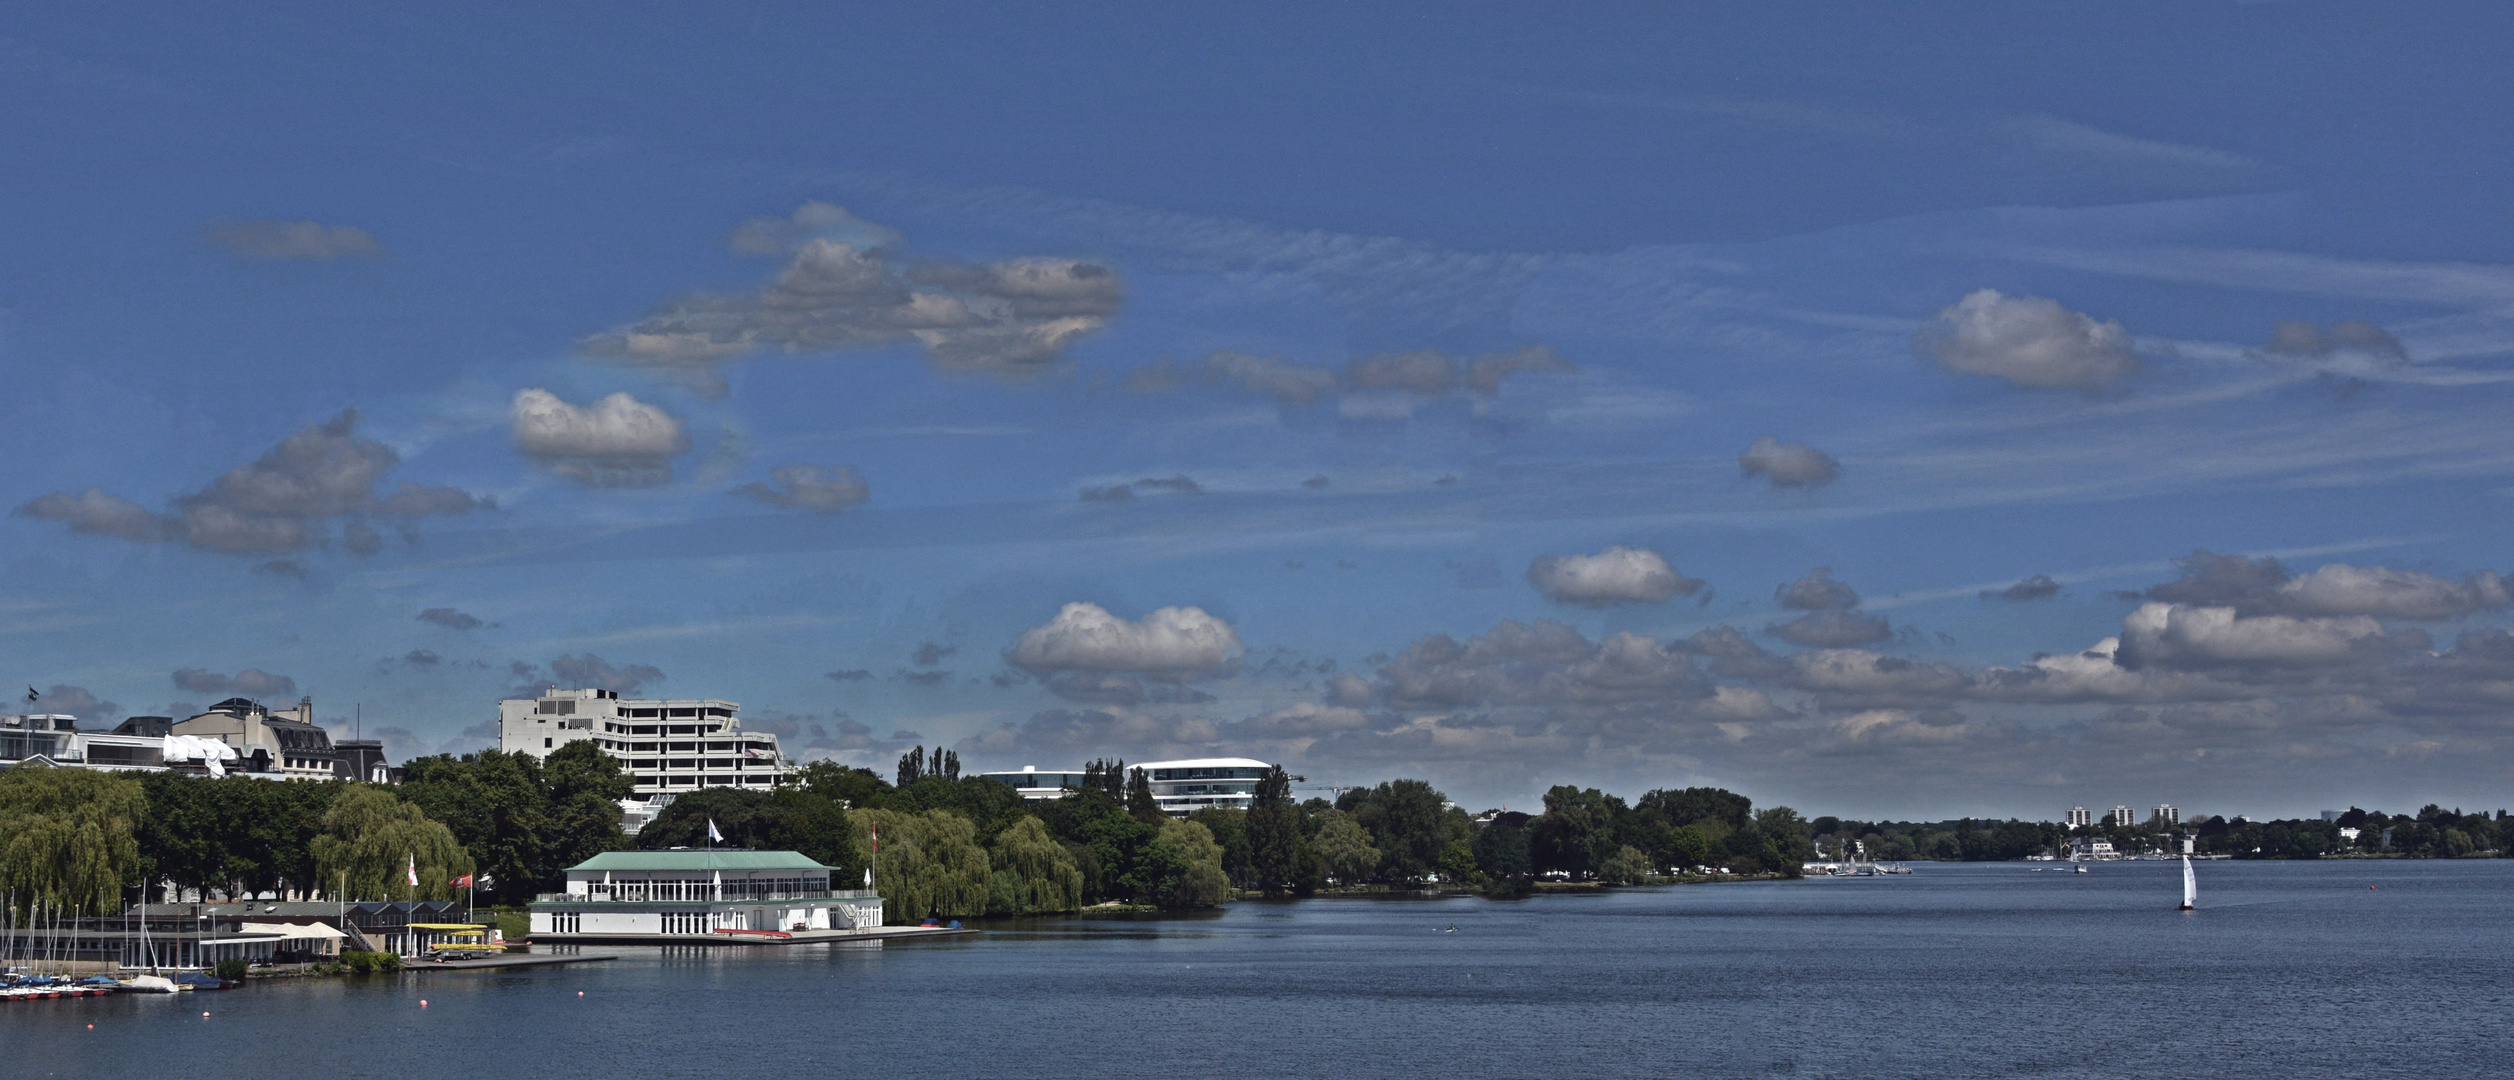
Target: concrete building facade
667,747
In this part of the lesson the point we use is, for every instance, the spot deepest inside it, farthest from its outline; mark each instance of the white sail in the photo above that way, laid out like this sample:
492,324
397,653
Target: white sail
2190,886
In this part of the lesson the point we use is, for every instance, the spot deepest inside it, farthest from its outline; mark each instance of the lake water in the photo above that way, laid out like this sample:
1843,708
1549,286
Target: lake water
2289,970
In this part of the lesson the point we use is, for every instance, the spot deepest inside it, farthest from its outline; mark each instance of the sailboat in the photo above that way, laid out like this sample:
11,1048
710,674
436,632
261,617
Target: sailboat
2190,887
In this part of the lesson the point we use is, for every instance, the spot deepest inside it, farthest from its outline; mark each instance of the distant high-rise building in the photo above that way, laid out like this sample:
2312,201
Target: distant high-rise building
2121,816
2170,816
2333,815
2080,816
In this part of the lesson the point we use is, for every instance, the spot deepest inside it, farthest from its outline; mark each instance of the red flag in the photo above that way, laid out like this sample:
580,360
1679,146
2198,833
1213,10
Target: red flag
877,838
463,882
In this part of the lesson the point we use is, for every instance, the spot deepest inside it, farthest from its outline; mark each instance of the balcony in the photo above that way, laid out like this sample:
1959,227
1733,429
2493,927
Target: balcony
735,898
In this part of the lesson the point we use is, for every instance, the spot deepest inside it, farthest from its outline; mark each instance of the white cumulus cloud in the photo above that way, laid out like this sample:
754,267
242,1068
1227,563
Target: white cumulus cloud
618,441
1171,642
1617,575
2030,341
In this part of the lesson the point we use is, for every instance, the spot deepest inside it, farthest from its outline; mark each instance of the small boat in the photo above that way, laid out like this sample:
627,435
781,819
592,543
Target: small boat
2081,868
2190,887
151,984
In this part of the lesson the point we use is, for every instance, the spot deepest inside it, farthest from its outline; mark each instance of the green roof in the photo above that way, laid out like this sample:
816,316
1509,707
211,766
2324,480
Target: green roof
700,860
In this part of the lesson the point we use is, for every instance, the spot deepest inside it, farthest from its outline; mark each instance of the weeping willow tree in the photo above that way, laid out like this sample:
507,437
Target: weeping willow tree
370,838
67,839
930,863
1043,872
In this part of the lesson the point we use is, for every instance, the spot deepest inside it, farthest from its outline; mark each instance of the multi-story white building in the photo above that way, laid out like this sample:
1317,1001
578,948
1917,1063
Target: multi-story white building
2122,816
2170,815
2080,817
1179,787
667,747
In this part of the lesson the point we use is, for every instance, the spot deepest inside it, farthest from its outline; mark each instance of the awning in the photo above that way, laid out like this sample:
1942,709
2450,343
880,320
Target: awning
295,930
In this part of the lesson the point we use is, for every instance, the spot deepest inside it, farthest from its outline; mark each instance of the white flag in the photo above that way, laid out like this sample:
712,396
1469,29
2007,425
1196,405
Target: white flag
714,837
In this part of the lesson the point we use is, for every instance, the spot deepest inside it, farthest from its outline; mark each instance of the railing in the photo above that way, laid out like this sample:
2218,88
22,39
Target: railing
729,898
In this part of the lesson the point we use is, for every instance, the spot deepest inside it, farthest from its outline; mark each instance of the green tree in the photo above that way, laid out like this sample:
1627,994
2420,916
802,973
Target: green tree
1229,826
68,839
1697,804
850,788
1576,832
1201,882
1139,800
927,864
1457,861
787,818
370,839
1627,866
1345,853
1412,823
1042,873
1274,833
1502,854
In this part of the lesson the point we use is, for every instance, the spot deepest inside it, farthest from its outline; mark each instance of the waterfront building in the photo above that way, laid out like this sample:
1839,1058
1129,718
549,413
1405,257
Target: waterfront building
2122,817
667,747
698,896
2170,815
1180,788
2080,817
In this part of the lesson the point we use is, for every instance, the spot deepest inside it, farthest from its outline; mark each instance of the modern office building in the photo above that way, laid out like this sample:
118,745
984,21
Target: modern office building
694,897
1036,785
1179,787
2080,817
2122,817
668,747
2171,816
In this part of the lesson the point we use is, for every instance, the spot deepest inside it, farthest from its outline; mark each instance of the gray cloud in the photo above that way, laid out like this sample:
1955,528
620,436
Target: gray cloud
1787,464
2035,587
279,503
449,618
1286,382
1426,373
591,670
840,289
2354,339
810,487
61,698
1818,591
1832,629
282,240
617,441
1617,575
849,675
930,653
1181,484
98,514
422,658
253,683
2029,341
2263,586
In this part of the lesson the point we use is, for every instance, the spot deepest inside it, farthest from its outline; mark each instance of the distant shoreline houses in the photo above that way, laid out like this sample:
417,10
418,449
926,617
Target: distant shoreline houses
1179,788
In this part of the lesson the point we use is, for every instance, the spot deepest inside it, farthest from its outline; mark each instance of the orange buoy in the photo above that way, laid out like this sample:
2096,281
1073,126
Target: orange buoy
423,1003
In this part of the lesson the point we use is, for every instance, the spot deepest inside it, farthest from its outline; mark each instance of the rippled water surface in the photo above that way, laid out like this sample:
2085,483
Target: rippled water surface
2289,970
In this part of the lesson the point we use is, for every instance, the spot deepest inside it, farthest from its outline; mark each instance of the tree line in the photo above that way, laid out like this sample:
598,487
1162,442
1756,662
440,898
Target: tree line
2431,833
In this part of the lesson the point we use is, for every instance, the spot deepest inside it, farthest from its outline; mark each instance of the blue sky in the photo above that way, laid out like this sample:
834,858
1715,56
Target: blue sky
1460,392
